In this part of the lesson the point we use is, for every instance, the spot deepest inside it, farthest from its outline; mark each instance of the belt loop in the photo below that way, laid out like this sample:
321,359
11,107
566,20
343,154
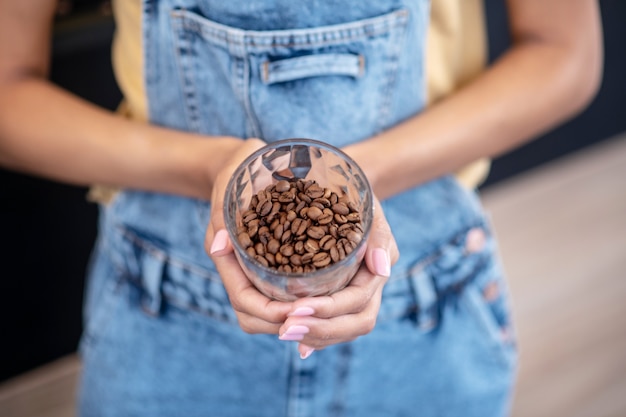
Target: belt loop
151,278
426,297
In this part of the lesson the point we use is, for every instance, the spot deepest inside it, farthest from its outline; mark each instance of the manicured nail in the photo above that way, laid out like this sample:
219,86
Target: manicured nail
294,337
306,351
294,333
382,266
219,241
302,311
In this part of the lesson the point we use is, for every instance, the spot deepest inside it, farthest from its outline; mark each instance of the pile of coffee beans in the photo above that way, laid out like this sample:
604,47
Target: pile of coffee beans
298,226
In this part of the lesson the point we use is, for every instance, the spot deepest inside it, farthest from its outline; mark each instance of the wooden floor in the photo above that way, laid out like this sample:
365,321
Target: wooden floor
562,230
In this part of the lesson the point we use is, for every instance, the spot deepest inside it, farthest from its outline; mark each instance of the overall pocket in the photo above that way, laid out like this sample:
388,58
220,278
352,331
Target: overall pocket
334,83
468,277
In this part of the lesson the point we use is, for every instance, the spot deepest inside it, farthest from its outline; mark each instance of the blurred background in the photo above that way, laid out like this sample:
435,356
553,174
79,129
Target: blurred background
552,191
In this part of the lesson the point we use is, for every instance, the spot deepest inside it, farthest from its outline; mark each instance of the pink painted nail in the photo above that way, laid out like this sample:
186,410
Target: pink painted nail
302,311
297,329
307,351
219,241
296,332
382,266
295,337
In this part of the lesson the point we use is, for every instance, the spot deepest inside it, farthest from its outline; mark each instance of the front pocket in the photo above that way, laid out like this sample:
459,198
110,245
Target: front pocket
104,297
290,69
497,333
334,83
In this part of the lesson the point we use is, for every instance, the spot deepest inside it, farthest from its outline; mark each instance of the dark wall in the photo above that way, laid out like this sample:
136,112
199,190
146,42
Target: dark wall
47,229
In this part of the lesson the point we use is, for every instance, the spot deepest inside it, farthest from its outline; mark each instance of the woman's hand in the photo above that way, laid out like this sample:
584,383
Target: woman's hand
315,321
255,312
318,322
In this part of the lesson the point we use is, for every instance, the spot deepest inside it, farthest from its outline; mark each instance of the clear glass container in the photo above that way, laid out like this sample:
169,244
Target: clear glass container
292,159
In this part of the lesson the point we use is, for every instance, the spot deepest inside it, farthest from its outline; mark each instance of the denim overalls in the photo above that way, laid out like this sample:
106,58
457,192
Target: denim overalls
160,336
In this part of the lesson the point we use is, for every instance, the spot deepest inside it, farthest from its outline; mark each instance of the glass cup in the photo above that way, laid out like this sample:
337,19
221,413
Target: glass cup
293,159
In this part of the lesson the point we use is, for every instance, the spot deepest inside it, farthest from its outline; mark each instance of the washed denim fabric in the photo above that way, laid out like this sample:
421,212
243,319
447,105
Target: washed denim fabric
161,338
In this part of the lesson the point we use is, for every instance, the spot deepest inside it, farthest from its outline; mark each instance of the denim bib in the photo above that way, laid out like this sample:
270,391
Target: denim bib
283,69
278,69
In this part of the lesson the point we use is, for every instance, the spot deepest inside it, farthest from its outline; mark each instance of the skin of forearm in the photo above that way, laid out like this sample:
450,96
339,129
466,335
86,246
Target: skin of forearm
46,131
533,87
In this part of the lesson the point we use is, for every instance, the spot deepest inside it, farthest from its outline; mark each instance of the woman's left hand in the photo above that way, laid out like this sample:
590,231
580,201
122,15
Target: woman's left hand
318,322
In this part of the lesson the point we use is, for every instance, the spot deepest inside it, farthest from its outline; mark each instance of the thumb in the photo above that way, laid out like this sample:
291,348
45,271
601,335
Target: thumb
382,250
219,244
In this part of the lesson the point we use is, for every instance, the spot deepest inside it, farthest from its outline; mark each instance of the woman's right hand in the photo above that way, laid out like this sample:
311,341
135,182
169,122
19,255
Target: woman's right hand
255,312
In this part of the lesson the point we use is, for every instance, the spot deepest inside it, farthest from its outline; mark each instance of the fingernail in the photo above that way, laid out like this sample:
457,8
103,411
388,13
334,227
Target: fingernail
296,332
302,311
307,351
294,337
382,266
219,241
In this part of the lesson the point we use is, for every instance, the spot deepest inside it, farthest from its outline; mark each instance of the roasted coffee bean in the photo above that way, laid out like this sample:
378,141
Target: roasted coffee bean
287,250
286,197
316,204
299,226
325,202
248,216
278,231
244,240
265,208
273,246
314,213
304,198
253,227
341,208
327,242
279,258
299,247
264,234
286,237
334,254
260,259
326,217
344,229
312,245
282,186
295,259
314,191
300,206
321,259
354,237
340,218
353,217
316,232
307,257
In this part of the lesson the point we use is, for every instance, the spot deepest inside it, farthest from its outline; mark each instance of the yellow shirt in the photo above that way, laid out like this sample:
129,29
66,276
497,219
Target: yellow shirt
456,53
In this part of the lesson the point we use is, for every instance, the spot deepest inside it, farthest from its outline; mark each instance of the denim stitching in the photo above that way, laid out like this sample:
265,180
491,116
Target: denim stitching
392,69
182,46
146,13
161,255
330,35
253,121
